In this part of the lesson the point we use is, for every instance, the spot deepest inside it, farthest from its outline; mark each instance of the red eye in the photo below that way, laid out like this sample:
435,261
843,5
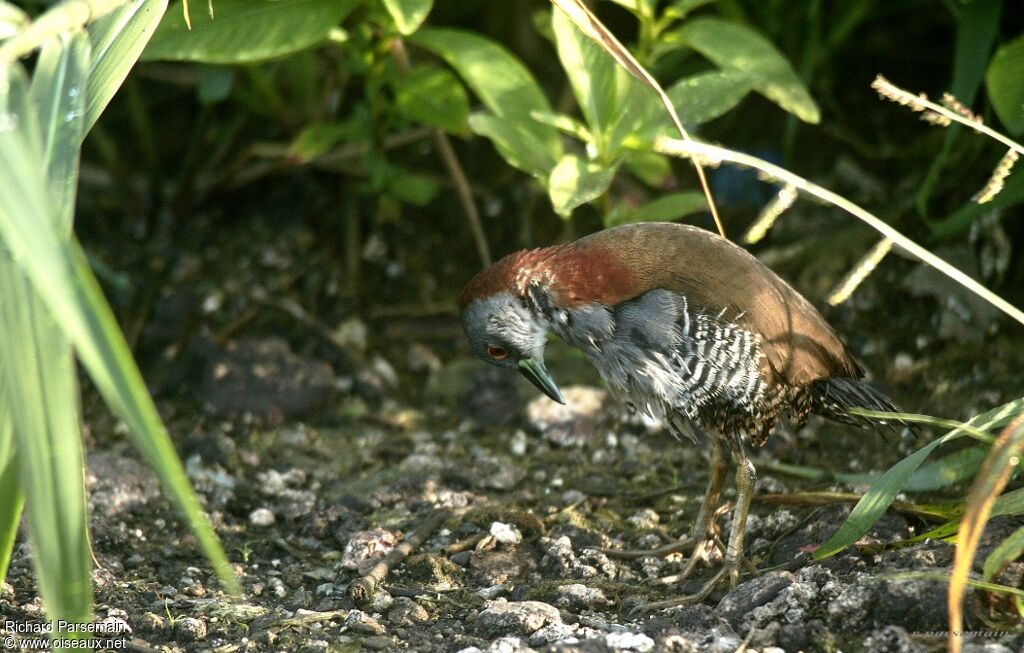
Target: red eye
497,353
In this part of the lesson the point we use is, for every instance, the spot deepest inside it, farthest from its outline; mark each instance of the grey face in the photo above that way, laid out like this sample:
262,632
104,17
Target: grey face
503,331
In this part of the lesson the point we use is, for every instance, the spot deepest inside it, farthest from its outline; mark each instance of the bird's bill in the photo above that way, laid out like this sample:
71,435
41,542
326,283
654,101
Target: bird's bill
538,375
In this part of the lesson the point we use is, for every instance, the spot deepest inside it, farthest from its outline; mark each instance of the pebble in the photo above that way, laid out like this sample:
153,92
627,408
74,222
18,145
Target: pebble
190,628
505,533
407,612
629,641
367,545
360,622
262,517
578,596
516,617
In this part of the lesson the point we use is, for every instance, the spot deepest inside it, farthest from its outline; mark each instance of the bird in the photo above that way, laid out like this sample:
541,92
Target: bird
683,325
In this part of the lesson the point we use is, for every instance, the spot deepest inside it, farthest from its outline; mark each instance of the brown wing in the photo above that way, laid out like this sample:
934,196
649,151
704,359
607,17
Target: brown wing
714,273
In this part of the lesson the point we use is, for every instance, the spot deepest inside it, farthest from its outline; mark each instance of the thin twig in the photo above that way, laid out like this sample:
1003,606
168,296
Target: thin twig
589,24
362,588
451,162
714,154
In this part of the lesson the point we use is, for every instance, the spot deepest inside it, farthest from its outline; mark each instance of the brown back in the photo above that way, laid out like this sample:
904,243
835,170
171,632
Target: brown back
716,274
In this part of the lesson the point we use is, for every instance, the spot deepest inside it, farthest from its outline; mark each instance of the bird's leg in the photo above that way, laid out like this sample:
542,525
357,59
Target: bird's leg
701,527
746,477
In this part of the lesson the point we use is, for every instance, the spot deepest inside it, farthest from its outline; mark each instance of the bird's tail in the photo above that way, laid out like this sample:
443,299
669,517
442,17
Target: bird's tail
833,398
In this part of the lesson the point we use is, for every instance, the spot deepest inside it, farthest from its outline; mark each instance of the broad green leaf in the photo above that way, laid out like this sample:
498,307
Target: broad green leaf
698,99
408,14
565,124
604,90
1005,552
884,490
681,8
516,145
434,97
40,380
575,181
117,39
506,87
957,466
735,47
650,167
706,96
670,207
1005,85
246,31
418,190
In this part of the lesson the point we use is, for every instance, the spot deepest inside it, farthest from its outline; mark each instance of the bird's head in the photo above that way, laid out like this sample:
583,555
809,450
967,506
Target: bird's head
504,330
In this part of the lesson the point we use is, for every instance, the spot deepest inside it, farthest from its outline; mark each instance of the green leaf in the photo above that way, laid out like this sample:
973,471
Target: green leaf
565,124
507,88
681,8
433,97
1005,552
246,31
957,466
703,97
408,14
56,267
640,8
735,47
317,138
670,207
517,145
612,102
1005,85
418,190
10,485
12,20
117,39
881,494
651,168
39,380
575,181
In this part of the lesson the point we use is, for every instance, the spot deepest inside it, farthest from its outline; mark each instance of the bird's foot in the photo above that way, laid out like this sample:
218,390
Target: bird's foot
730,572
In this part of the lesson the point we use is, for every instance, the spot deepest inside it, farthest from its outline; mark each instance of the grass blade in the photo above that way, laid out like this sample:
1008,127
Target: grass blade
11,498
884,490
40,383
992,478
59,273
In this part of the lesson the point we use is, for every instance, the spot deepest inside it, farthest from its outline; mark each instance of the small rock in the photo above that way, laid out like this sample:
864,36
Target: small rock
190,628
646,518
892,639
406,612
505,533
367,546
742,599
578,596
629,642
519,617
360,622
422,359
552,633
571,424
262,517
315,646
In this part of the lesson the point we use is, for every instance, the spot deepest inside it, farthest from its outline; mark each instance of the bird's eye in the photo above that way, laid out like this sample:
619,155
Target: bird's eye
497,353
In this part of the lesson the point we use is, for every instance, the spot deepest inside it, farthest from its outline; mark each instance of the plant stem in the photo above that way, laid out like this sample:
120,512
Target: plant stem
68,16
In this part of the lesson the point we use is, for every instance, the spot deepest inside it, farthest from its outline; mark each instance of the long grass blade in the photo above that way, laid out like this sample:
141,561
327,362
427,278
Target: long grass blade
884,490
59,273
992,478
11,498
40,379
